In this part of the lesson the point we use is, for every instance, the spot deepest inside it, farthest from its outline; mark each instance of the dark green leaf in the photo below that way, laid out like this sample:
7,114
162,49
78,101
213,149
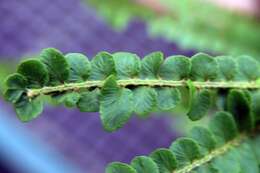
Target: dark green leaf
127,65
28,110
223,127
15,84
165,160
186,151
248,67
175,68
56,64
102,66
200,104
204,138
227,67
144,100
116,105
203,67
239,107
256,105
89,101
168,98
117,167
35,72
16,81
79,67
144,164
151,65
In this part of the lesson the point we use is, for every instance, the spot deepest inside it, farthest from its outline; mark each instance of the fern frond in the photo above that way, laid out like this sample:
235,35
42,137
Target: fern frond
120,84
191,23
222,147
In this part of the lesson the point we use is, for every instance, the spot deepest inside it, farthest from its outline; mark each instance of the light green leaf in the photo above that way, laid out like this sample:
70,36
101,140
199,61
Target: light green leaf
56,64
165,160
204,138
200,104
71,99
239,106
186,151
168,98
102,66
28,110
227,67
144,164
117,167
203,67
228,162
116,105
79,67
151,65
144,100
247,159
223,127
89,101
175,68
127,65
35,72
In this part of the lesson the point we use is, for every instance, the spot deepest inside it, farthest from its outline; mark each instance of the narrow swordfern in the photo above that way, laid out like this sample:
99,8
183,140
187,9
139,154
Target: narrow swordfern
120,84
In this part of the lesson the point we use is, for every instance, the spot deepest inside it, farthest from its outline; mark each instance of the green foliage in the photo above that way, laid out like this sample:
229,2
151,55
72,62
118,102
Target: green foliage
118,85
223,147
189,23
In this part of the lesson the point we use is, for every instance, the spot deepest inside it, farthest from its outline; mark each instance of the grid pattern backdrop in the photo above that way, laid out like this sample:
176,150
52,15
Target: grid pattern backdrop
27,26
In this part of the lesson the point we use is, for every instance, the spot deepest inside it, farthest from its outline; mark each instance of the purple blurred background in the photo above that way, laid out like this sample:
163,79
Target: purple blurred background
27,26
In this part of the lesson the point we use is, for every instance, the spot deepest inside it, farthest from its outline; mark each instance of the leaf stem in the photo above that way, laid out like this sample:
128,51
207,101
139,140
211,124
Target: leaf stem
142,82
213,154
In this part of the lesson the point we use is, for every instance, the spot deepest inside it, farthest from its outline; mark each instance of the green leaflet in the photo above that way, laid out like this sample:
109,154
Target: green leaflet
247,160
144,164
255,105
116,105
204,138
203,67
151,65
56,65
228,67
165,160
248,67
168,98
127,65
79,67
16,85
239,105
144,100
117,167
89,101
28,110
35,72
228,162
175,68
102,66
186,151
200,104
223,127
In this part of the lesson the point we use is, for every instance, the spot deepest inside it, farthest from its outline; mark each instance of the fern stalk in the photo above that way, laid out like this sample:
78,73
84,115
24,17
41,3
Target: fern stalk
146,82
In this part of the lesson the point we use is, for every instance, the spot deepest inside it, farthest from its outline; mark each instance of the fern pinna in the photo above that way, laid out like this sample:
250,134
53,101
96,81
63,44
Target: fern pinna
120,84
